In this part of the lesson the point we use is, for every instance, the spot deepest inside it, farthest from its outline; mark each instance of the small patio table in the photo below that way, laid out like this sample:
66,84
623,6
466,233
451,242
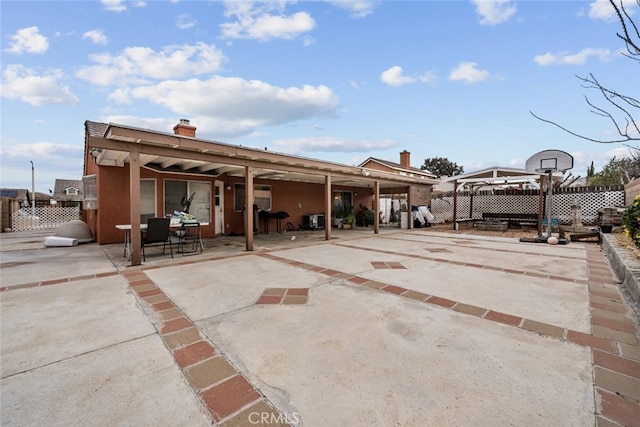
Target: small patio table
127,233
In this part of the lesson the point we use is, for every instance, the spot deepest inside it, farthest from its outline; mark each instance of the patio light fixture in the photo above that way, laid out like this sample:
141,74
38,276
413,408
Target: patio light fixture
95,152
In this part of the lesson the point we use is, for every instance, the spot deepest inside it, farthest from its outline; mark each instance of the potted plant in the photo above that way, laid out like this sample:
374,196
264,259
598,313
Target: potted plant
349,221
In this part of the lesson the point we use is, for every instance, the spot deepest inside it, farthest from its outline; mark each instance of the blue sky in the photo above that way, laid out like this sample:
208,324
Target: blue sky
334,80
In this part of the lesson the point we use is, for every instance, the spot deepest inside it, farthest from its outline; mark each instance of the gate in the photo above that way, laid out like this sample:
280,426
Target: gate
44,217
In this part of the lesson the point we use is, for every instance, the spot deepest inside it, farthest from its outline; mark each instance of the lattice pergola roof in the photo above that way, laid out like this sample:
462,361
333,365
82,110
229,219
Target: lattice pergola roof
497,176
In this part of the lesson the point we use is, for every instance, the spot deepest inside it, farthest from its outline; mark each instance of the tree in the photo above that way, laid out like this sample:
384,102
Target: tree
617,171
591,171
441,166
622,110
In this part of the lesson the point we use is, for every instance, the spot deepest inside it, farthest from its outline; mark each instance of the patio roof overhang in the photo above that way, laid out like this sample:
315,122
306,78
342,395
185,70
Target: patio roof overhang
172,153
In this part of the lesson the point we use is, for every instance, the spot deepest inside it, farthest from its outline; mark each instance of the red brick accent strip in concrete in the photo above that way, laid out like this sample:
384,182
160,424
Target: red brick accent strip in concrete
285,296
57,281
222,389
229,397
616,375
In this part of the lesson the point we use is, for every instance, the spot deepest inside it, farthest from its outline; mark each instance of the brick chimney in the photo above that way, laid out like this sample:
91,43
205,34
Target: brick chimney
184,128
405,159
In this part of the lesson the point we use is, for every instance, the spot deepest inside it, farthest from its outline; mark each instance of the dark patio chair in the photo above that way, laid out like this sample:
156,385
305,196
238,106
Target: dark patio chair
157,232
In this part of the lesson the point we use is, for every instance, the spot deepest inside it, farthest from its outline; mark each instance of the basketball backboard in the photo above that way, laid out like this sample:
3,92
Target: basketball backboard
549,161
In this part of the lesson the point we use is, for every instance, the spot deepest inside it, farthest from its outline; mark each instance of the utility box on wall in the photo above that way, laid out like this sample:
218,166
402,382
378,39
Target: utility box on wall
313,222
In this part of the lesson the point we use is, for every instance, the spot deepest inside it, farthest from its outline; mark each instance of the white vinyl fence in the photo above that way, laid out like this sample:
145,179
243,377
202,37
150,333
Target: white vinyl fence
469,206
47,217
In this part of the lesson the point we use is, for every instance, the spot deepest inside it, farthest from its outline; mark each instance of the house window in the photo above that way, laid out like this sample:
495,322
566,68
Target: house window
90,201
342,203
261,197
147,199
71,191
177,195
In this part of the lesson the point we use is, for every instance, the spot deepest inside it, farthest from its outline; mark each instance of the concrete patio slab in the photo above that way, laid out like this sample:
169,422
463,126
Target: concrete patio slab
567,261
559,303
18,267
134,382
216,287
392,361
48,324
410,327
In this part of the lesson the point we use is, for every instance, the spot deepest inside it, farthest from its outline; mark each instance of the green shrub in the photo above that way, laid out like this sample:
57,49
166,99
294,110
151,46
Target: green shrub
364,216
631,221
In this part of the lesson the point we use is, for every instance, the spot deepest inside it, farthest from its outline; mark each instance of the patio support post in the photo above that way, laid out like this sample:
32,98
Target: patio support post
248,203
376,207
410,213
541,205
455,204
471,202
327,207
134,203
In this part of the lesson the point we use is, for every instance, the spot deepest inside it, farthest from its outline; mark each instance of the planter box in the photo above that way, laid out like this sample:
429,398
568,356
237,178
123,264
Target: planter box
491,225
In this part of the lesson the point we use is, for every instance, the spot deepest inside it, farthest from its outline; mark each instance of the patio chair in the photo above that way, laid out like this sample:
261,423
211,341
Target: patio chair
157,232
190,235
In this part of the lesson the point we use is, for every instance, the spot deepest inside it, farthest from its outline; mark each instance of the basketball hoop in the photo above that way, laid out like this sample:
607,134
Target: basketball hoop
548,162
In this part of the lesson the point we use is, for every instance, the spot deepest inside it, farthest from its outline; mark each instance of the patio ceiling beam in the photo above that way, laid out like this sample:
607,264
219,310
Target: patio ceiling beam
189,165
169,162
147,137
357,176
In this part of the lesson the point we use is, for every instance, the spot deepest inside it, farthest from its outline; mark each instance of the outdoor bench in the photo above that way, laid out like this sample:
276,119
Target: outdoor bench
514,219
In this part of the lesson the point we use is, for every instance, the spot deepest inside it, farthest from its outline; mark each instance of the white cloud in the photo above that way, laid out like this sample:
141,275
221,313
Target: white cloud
138,64
234,106
330,144
468,71
493,12
121,5
393,77
96,36
185,21
28,40
428,77
602,9
40,150
579,58
25,85
358,8
264,21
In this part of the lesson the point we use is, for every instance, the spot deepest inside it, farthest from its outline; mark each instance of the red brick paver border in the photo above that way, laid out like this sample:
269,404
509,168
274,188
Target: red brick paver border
284,296
613,340
222,389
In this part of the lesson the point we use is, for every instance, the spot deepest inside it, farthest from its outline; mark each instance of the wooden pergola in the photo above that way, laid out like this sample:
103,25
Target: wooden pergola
494,177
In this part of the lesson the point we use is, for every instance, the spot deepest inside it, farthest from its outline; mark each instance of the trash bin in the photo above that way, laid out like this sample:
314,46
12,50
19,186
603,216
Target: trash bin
255,219
404,220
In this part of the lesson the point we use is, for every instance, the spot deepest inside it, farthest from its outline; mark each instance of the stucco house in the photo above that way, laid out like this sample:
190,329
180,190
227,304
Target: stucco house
131,174
68,190
419,194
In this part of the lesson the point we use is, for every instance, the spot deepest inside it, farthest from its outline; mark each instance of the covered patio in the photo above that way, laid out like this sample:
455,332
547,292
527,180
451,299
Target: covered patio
117,146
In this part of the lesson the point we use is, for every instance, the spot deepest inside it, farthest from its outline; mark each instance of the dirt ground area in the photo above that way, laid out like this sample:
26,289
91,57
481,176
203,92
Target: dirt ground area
512,232
621,237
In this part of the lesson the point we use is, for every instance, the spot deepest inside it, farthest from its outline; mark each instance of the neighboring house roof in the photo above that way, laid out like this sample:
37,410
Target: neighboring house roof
397,167
21,194
11,193
63,190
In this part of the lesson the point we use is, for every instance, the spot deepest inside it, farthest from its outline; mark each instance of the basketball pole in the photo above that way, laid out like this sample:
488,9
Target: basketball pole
549,201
